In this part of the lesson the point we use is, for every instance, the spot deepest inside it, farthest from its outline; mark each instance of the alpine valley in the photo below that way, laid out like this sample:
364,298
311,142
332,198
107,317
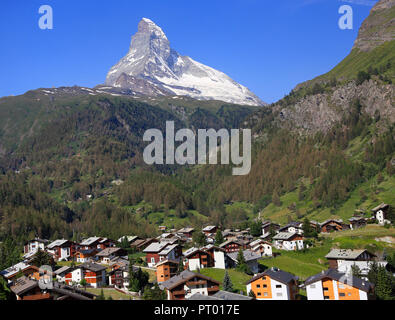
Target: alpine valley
71,157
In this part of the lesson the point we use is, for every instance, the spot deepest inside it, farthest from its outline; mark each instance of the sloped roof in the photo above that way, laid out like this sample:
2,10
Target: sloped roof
183,277
57,243
89,241
155,247
108,252
342,278
382,206
276,274
284,235
92,266
346,254
248,255
62,269
224,295
23,285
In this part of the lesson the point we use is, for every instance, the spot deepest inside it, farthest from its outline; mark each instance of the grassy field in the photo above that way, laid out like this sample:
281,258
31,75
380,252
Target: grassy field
238,279
114,294
312,261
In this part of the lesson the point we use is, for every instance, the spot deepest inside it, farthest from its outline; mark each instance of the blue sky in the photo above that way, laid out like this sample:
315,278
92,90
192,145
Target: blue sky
268,46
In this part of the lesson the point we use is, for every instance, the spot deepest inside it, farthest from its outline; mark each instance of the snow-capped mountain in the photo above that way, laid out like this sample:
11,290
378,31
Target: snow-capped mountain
152,68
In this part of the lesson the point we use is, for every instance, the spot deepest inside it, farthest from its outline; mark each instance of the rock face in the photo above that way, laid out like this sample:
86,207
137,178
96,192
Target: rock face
378,27
152,68
321,111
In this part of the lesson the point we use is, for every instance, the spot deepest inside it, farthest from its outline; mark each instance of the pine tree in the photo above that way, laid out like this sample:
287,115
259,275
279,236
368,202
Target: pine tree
219,238
227,283
356,271
181,266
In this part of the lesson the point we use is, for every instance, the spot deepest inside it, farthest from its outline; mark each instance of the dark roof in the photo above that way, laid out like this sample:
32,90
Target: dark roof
183,277
248,255
62,269
108,252
201,297
92,266
382,206
23,285
276,274
224,295
341,277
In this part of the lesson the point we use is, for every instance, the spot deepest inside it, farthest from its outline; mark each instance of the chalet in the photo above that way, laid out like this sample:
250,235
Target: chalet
233,245
106,255
250,257
147,242
195,259
172,252
187,232
93,273
105,243
332,225
288,241
90,243
333,285
344,259
157,252
28,289
61,273
210,230
119,262
32,246
274,284
187,283
292,227
261,247
166,235
119,276
268,227
220,295
61,250
21,268
357,222
217,256
380,213
85,255
166,269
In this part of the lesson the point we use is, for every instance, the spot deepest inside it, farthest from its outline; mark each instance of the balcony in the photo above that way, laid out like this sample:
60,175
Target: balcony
196,283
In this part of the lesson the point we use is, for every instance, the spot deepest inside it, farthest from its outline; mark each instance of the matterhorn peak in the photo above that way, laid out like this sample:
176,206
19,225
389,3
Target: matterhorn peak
151,67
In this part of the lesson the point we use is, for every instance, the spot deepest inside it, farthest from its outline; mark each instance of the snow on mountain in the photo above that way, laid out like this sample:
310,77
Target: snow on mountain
152,68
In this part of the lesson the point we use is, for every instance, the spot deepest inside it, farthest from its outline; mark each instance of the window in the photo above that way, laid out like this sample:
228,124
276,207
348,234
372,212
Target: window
265,285
265,294
259,294
342,294
326,298
312,286
326,289
279,294
278,286
258,285
263,278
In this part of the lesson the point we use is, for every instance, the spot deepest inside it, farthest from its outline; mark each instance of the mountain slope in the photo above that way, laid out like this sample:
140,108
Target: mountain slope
151,67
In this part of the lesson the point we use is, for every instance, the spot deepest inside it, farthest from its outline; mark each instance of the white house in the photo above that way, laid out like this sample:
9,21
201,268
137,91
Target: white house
274,284
380,214
334,285
288,241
